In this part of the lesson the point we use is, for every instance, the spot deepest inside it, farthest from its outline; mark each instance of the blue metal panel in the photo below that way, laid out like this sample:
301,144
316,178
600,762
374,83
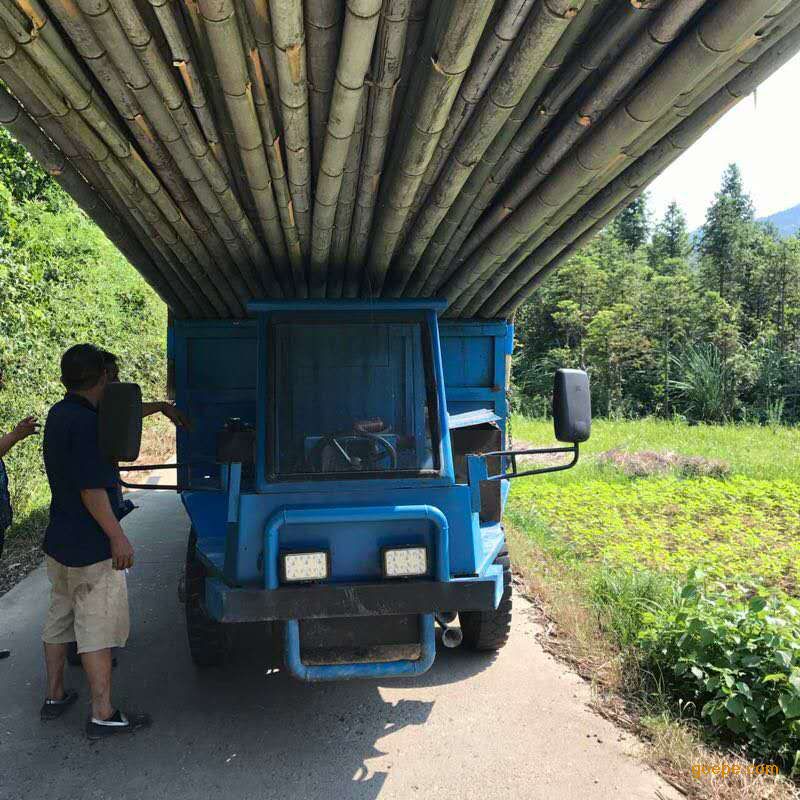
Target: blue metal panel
355,521
215,378
355,547
339,672
475,355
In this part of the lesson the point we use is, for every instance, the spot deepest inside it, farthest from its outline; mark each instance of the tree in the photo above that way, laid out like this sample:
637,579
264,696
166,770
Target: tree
670,238
723,233
632,226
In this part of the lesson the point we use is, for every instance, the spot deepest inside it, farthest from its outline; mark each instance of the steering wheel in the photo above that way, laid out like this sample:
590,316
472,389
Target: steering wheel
381,448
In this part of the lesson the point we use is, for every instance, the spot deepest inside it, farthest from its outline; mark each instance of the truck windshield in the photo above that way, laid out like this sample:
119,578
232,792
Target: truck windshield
353,398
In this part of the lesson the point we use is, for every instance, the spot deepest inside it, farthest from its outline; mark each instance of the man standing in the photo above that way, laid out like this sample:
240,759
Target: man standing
86,548
22,430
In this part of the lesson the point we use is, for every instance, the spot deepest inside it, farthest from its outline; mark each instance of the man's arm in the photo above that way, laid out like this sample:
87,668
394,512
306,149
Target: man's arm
98,505
27,427
169,411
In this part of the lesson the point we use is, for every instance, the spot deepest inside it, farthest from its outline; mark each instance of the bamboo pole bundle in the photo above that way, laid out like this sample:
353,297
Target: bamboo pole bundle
108,77
142,187
272,146
28,133
543,27
433,267
725,27
769,36
339,269
173,28
498,36
636,177
358,37
185,143
323,20
637,58
234,69
453,52
389,59
290,58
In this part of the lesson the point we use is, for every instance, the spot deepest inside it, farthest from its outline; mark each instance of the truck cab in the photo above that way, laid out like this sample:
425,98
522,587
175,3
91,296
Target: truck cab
345,478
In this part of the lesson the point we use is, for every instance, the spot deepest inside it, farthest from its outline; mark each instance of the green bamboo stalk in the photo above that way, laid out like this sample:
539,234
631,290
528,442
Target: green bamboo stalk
290,57
358,37
454,50
725,26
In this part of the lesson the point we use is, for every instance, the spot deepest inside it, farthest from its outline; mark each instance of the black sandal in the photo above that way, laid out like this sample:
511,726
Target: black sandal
53,709
117,723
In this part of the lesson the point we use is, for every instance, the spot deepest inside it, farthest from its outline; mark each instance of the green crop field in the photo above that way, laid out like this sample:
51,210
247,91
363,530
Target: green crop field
741,524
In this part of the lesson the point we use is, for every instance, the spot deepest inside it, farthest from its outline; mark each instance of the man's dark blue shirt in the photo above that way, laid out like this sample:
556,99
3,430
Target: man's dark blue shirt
73,462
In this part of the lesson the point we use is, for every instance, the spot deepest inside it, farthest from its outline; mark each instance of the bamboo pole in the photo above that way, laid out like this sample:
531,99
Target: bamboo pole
358,37
442,79
389,58
323,20
345,207
725,27
543,27
290,58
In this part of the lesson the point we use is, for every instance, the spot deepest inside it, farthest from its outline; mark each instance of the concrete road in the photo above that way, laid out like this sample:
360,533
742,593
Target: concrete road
514,726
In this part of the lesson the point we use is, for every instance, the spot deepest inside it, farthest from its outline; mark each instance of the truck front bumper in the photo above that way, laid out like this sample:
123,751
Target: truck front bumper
230,604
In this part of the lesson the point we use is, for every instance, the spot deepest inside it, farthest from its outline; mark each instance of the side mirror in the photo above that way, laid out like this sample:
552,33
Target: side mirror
120,422
572,406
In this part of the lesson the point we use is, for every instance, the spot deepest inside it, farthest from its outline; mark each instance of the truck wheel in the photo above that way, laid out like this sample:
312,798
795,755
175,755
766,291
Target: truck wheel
208,639
488,630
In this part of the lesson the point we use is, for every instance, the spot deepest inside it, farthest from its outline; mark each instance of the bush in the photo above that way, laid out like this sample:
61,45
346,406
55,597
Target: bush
735,660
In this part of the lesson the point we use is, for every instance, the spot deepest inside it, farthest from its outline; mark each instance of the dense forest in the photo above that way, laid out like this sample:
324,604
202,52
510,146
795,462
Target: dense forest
61,282
705,327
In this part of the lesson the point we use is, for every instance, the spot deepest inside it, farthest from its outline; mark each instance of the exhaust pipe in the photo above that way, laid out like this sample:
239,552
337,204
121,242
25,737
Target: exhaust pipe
445,618
451,637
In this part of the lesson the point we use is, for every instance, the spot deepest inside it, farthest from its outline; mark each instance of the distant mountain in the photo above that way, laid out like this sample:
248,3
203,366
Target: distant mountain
787,221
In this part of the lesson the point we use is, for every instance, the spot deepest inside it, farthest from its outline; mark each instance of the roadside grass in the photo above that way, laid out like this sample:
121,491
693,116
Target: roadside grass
606,555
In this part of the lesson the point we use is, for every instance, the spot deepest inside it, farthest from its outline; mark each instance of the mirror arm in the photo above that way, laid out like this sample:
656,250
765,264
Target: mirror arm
512,456
148,468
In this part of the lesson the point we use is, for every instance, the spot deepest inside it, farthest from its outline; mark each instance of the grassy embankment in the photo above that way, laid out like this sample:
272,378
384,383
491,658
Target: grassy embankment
607,548
62,282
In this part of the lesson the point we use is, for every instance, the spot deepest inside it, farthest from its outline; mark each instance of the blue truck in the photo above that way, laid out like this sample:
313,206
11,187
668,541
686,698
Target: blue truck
345,478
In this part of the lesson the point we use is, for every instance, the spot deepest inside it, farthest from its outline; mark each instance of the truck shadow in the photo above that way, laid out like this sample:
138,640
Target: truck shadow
324,740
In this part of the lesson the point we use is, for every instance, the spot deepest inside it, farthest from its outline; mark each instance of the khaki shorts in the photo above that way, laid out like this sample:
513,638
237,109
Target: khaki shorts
88,605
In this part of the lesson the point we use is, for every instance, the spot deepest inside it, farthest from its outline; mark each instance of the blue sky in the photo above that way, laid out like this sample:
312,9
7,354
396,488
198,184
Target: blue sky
761,134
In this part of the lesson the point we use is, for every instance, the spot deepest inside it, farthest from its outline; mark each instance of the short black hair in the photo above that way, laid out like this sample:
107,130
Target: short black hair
112,364
82,367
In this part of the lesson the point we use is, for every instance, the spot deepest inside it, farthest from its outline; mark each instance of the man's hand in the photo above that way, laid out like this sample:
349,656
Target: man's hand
177,416
121,551
25,428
